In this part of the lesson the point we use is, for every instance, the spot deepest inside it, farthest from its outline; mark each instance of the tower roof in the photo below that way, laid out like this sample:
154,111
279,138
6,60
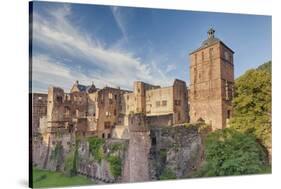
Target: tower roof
84,88
210,41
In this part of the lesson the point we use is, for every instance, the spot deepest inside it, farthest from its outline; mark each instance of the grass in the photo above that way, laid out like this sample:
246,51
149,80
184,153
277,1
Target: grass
44,178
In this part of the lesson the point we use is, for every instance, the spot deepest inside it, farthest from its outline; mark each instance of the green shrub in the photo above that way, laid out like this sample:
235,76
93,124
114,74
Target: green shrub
96,148
163,154
70,164
229,152
115,165
116,147
56,152
252,104
167,174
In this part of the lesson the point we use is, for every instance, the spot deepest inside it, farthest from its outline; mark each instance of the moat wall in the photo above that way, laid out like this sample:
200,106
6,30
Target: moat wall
174,150
148,155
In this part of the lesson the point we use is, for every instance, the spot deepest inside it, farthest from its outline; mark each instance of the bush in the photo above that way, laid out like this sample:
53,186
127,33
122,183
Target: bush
252,104
167,174
115,165
70,164
56,152
96,148
229,152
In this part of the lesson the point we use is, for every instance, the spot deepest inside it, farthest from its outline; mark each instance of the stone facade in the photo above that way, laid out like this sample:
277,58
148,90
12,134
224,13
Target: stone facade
89,111
211,82
39,109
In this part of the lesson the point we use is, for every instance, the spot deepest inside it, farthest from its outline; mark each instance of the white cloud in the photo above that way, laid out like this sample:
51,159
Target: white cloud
48,71
120,21
121,68
170,67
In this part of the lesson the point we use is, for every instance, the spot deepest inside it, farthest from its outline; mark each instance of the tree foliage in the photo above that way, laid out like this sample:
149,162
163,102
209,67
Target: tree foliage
96,148
167,174
115,165
252,104
229,152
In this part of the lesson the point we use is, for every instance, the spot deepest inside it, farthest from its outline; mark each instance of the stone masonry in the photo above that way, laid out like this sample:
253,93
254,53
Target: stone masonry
211,82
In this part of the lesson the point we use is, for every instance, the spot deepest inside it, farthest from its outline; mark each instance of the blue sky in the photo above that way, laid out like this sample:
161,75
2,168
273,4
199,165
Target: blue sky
115,46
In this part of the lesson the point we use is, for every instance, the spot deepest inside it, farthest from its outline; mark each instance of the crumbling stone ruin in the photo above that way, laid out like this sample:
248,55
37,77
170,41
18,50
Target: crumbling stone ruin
149,122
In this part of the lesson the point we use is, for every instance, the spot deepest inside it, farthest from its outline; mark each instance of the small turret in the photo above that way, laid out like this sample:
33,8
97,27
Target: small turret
211,33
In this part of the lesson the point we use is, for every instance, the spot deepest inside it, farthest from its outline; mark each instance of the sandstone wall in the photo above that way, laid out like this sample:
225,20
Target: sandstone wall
163,120
149,152
100,170
211,84
177,149
39,109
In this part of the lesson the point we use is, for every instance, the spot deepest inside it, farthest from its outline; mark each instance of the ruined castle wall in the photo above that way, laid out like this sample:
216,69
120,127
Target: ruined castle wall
137,161
89,166
109,103
162,120
128,103
180,102
136,167
121,132
55,107
177,149
159,101
139,93
39,109
51,152
93,104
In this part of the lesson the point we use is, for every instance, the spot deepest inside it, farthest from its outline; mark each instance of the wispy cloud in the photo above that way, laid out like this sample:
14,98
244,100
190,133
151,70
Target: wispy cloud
107,65
120,21
48,71
170,67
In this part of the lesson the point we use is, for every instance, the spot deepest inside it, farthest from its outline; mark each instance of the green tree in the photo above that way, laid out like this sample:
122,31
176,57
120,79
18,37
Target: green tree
252,104
266,66
229,152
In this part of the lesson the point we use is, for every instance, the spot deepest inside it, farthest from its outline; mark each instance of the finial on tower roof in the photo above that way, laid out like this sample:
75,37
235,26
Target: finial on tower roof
77,82
211,33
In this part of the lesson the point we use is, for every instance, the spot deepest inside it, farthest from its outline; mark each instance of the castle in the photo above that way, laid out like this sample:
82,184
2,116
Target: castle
109,112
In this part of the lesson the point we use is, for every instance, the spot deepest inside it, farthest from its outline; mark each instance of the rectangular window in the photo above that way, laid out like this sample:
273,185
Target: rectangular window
107,125
228,114
164,103
110,95
202,56
211,52
177,102
59,99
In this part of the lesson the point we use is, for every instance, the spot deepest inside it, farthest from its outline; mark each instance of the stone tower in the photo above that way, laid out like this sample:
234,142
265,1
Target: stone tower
211,82
55,108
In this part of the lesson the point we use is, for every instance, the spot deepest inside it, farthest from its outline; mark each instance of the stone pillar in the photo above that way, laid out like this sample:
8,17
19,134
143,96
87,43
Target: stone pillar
139,147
